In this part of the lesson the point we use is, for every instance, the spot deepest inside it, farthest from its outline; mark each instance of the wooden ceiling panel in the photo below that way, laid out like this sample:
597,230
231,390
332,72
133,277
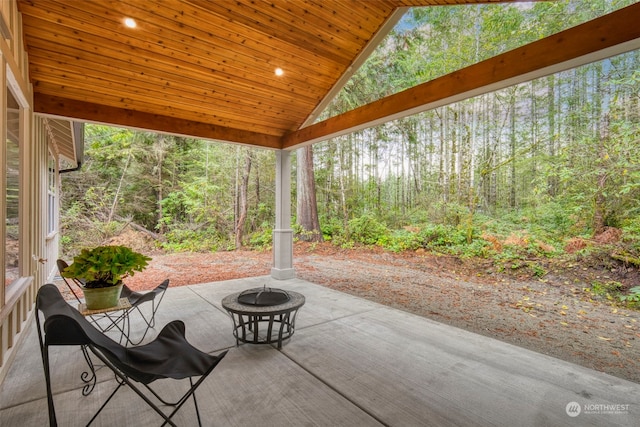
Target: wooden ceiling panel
133,102
208,63
237,51
169,58
260,21
191,99
181,81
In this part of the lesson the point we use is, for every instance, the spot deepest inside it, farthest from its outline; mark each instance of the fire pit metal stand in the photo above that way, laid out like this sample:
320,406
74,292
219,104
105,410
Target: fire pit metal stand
247,317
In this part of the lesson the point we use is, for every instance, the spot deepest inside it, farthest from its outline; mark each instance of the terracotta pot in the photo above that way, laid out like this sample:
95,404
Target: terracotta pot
101,298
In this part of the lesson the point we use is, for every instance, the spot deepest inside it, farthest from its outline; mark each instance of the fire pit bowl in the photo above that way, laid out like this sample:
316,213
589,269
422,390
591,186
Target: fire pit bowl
264,297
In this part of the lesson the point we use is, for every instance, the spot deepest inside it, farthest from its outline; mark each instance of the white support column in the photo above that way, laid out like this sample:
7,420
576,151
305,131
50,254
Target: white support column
282,268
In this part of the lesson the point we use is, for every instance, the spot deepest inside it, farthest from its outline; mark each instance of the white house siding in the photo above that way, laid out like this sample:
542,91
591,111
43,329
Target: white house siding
38,251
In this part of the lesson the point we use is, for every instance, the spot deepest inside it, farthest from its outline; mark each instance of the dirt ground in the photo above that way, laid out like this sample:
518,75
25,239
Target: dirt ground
554,315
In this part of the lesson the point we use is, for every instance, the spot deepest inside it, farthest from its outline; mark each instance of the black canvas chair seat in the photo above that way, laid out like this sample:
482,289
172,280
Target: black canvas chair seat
169,355
136,299
123,322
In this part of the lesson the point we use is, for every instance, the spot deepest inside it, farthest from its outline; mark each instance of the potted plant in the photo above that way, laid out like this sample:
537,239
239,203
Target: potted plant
101,270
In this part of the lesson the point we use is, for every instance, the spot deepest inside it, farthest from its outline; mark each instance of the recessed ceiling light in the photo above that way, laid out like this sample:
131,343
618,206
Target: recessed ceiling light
279,71
130,22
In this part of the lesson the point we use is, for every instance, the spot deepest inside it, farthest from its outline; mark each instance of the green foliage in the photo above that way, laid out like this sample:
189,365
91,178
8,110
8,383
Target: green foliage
631,232
187,204
537,269
456,240
262,239
441,236
80,230
400,240
344,243
610,291
185,240
633,297
477,248
513,260
605,288
532,231
366,230
182,188
105,266
331,228
449,213
296,228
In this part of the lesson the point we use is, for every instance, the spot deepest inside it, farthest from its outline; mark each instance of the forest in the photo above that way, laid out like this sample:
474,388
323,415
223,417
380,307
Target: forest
548,168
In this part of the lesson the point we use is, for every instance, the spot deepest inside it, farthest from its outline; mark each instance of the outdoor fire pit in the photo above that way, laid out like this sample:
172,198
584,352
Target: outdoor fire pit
267,306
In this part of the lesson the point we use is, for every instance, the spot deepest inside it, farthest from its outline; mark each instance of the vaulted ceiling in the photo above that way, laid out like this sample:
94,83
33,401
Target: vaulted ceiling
207,68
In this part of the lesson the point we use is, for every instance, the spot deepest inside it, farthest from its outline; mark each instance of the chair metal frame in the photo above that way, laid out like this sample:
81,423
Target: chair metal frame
62,264
65,326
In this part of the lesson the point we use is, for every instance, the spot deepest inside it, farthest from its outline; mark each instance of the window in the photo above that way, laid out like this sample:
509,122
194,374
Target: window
12,196
51,195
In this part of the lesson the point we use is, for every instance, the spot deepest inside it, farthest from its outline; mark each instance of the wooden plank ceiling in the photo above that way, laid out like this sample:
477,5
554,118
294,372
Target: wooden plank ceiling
199,67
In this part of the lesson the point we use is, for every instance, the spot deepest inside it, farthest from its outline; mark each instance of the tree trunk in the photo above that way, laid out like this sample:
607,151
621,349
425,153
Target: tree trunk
552,180
453,159
114,205
599,202
442,153
512,150
307,207
160,154
343,197
243,203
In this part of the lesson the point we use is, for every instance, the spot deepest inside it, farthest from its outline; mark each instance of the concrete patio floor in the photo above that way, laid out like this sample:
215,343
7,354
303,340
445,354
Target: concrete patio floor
351,362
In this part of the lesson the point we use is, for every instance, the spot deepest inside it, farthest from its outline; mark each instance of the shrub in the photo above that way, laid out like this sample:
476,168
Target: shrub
262,239
438,236
367,230
331,228
477,248
631,232
400,240
180,240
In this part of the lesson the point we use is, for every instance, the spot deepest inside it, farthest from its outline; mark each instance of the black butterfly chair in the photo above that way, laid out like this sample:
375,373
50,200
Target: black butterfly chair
136,299
169,355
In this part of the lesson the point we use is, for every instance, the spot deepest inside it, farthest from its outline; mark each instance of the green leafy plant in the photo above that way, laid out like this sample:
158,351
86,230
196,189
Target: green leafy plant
441,237
536,269
400,240
366,230
633,296
331,227
608,290
105,266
